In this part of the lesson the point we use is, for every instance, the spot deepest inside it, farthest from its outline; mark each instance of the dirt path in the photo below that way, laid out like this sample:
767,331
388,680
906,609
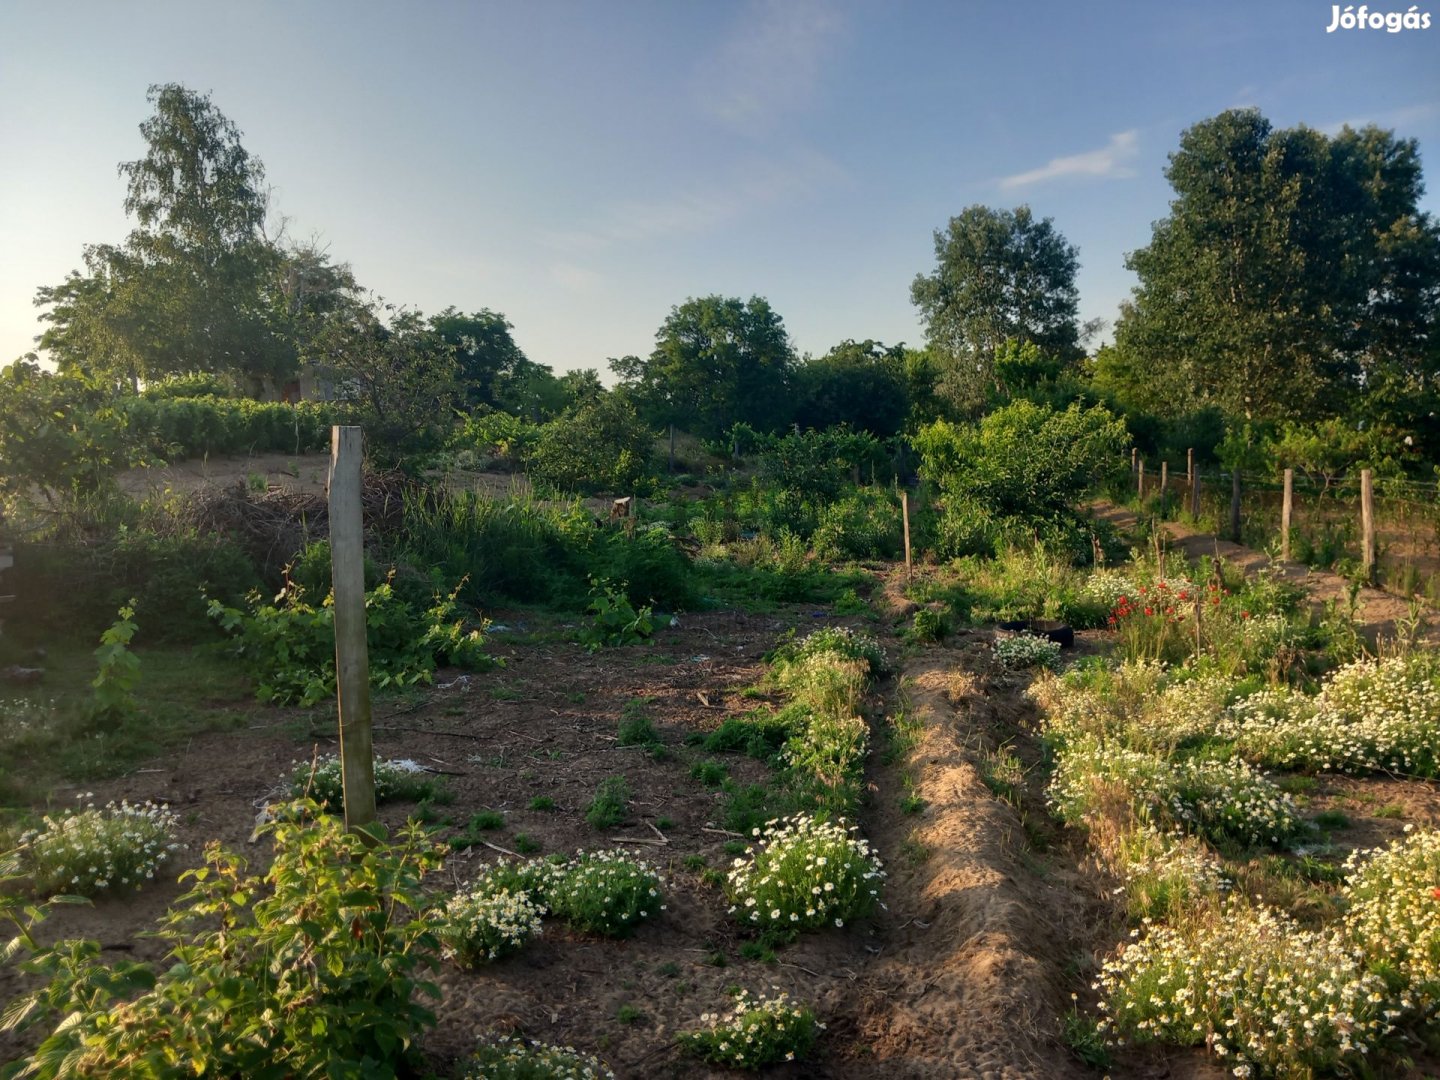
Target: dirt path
972,980
1377,613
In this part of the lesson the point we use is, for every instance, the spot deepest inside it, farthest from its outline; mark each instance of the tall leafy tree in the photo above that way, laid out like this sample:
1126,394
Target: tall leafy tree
1294,275
999,275
860,383
194,287
492,369
717,361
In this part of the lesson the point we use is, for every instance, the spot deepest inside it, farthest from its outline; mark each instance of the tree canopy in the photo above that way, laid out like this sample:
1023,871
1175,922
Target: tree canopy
1294,272
717,361
195,286
999,275
859,383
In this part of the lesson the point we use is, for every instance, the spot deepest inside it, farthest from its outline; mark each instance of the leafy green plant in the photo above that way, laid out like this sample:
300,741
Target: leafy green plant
313,968
542,802
636,727
710,773
612,799
757,1031
86,852
803,874
606,892
614,619
928,626
480,822
1016,651
119,670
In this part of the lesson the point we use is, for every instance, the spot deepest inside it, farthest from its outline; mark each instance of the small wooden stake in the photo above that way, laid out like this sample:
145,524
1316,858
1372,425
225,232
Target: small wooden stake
1164,478
352,658
1367,524
1287,505
1190,465
1134,458
1235,505
905,517
1140,482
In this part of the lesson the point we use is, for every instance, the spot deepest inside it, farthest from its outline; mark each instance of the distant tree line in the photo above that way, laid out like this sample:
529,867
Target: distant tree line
1294,282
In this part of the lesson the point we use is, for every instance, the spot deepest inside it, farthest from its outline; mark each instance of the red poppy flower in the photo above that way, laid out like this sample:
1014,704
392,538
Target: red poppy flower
1149,611
1244,614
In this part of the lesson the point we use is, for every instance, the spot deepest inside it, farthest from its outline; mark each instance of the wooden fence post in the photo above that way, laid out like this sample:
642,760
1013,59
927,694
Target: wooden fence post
352,658
905,516
1134,458
1235,504
1190,466
1164,478
1195,496
1287,504
1140,480
1367,524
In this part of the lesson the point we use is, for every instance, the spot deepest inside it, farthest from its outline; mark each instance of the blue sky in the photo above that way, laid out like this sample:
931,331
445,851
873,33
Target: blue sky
583,167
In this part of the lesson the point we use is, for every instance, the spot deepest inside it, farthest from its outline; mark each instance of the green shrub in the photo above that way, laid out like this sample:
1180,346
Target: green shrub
758,1031
606,892
614,620
803,874
289,646
928,626
188,427
865,524
610,804
313,969
1016,475
710,773
600,445
759,733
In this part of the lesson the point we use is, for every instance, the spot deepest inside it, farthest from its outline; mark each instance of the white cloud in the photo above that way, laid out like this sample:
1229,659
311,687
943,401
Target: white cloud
772,65
1110,162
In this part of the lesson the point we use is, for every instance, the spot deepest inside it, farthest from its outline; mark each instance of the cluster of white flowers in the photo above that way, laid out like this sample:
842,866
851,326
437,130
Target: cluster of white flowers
843,643
759,1030
1017,651
509,1058
1214,798
1264,993
323,781
484,924
606,892
1141,703
1394,916
1371,715
84,852
803,874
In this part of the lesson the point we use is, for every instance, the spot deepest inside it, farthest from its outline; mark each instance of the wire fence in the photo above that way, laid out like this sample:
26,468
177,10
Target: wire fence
1327,519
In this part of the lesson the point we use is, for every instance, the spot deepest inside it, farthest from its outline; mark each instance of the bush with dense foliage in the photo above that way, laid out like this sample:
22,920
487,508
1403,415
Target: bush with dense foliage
1017,473
314,968
600,445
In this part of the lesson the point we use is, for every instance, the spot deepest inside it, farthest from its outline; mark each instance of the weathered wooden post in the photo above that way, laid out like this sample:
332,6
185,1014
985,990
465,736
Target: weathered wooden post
905,518
1134,458
352,658
1367,525
1235,504
1287,504
1195,496
1190,465
1164,478
1140,481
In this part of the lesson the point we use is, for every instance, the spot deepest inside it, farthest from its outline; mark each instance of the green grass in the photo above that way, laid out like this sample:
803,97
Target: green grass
542,802
182,693
612,800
